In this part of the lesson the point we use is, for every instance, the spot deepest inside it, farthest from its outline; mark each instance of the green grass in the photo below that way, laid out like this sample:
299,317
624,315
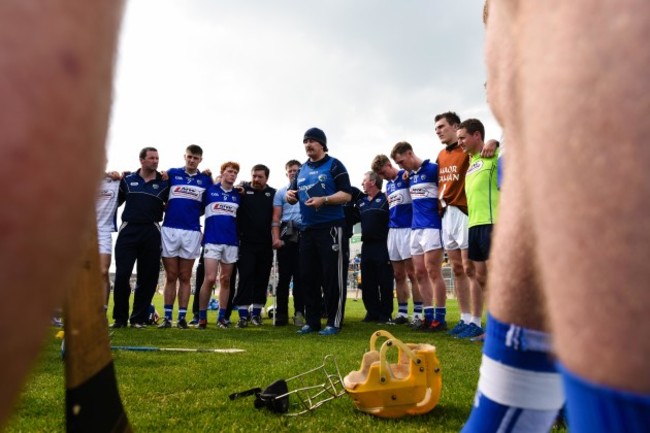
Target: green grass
165,391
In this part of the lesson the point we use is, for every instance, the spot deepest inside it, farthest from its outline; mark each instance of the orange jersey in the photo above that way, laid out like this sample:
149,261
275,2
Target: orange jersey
452,166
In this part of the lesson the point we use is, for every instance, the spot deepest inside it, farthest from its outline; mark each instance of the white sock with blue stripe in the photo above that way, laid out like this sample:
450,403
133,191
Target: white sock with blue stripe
519,388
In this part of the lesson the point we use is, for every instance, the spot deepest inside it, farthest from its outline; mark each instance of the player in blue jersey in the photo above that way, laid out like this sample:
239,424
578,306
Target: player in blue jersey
322,186
220,241
399,237
181,232
426,238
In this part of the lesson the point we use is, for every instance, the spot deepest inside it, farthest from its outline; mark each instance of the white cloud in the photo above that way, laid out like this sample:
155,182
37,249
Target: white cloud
244,79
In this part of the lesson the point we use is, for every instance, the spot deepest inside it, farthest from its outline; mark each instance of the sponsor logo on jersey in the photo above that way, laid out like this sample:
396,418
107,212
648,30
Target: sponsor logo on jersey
185,191
155,186
475,167
134,183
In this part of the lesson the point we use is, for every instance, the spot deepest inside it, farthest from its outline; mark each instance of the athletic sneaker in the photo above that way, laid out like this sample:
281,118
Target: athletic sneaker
434,326
416,323
299,320
401,320
57,322
480,339
202,324
306,329
118,325
181,324
194,321
138,325
166,323
256,321
243,322
471,331
223,324
329,330
459,328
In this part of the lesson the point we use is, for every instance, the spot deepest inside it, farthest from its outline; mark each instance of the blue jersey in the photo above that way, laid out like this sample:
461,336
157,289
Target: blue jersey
185,199
399,202
424,193
319,179
221,216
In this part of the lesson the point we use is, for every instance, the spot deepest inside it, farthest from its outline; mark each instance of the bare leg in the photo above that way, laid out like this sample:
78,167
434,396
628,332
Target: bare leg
477,295
433,262
593,231
184,277
415,286
104,266
211,269
461,279
224,283
401,287
57,64
171,265
422,277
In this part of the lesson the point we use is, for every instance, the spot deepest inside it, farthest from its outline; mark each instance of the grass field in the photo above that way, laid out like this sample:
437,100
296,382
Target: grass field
166,391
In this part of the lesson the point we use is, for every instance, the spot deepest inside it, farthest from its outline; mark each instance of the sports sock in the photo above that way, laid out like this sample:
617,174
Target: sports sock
257,309
402,309
466,317
440,314
519,389
182,312
169,309
417,309
476,320
428,314
203,314
595,408
222,314
243,312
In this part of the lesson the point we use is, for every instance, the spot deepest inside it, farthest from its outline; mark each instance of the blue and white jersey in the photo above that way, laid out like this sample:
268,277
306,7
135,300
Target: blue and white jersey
106,205
424,194
289,212
185,199
399,202
319,179
221,216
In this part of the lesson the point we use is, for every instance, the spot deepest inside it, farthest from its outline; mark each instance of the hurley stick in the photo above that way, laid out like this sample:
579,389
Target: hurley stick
92,399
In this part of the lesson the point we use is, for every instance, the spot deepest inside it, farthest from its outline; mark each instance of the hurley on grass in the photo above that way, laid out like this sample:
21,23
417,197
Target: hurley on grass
171,391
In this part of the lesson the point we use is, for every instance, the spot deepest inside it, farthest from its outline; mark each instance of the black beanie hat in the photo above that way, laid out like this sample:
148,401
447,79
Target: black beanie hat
318,135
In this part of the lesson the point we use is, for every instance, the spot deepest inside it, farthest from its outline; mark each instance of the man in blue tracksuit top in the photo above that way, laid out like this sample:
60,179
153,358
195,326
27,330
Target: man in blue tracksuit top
145,194
321,187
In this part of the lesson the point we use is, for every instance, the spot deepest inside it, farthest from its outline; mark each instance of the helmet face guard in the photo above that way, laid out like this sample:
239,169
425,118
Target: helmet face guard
311,389
411,386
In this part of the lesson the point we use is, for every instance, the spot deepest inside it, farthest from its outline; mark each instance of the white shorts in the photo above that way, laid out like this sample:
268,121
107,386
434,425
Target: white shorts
423,240
399,244
105,242
454,229
227,254
185,244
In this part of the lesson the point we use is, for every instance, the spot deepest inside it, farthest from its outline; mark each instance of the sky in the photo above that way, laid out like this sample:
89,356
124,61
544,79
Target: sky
244,79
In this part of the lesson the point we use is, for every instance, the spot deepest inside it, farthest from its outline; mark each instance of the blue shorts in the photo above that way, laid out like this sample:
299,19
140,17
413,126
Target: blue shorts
480,238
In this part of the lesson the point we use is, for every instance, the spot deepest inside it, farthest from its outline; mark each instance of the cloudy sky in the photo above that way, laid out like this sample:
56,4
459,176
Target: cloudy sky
245,78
